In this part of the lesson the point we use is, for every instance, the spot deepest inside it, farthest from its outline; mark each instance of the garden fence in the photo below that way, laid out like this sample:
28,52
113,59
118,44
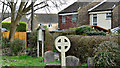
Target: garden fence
20,35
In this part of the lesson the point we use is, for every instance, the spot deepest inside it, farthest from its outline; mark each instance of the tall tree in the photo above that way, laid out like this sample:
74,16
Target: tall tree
18,8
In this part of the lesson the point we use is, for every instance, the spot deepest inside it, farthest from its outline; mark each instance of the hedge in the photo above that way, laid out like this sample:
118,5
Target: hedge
22,27
83,46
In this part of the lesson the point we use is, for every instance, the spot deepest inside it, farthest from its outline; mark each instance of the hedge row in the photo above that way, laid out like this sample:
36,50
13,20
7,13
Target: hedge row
22,27
83,46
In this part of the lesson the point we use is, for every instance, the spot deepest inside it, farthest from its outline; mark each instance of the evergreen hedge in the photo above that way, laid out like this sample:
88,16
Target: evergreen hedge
22,27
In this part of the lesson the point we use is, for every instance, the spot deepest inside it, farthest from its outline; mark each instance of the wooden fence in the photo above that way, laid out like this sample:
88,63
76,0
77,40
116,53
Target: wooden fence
20,35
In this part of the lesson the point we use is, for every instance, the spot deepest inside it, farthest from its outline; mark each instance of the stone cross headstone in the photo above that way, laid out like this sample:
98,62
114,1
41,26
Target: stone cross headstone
49,56
72,61
62,44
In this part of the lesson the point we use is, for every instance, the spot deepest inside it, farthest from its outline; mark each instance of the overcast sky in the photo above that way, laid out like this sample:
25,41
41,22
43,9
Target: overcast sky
52,9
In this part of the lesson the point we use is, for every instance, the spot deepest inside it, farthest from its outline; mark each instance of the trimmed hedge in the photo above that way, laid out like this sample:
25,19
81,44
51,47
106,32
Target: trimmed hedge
93,33
83,46
22,27
83,30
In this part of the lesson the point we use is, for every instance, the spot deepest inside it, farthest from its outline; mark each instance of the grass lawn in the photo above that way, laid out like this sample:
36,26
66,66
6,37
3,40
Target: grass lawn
23,61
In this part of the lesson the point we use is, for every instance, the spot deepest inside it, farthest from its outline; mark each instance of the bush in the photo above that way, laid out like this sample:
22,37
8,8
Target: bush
118,31
83,30
6,51
104,59
82,46
93,33
22,27
17,46
111,48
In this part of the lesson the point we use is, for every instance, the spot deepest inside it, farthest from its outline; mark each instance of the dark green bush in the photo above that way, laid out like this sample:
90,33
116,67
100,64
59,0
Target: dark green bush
83,46
118,31
93,33
104,59
83,30
22,27
111,48
17,46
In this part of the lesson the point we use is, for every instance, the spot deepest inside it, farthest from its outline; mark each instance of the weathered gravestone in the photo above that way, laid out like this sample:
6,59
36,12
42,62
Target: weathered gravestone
72,61
90,62
49,56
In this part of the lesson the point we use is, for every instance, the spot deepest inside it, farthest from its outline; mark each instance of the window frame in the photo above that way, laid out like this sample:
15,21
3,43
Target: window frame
63,19
94,23
108,14
74,17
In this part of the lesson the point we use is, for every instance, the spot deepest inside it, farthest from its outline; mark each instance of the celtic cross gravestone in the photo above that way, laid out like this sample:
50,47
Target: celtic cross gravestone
62,44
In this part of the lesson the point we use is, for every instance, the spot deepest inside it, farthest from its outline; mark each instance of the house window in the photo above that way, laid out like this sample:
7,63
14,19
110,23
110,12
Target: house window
74,17
63,19
50,25
108,15
94,19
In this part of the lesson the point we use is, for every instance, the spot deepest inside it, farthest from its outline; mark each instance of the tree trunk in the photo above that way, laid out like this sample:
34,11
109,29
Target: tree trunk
12,31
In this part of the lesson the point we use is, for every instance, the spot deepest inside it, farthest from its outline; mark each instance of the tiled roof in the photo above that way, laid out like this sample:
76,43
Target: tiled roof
46,18
106,6
74,7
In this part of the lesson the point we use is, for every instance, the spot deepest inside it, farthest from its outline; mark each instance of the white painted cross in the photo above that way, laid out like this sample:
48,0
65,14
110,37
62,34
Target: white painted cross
62,44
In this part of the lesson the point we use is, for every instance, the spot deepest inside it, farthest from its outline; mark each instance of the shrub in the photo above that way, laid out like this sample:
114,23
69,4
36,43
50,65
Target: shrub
112,48
6,51
118,31
82,46
22,27
104,59
17,46
83,30
96,33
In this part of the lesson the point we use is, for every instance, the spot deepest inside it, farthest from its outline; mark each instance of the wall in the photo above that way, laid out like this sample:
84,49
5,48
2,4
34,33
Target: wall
101,19
68,23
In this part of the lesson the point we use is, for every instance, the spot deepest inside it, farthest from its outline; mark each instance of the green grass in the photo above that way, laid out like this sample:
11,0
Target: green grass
23,61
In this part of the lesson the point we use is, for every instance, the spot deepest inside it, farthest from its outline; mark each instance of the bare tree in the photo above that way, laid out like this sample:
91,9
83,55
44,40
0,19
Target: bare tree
18,8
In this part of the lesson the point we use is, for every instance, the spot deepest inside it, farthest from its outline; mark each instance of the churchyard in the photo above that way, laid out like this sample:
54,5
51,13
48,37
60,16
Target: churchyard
74,47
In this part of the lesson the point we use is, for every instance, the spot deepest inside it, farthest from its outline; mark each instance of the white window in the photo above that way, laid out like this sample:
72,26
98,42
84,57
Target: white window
49,25
63,19
74,17
108,15
94,19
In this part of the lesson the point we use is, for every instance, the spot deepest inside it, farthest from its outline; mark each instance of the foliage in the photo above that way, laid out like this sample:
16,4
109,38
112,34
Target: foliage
96,33
6,51
111,53
118,31
5,43
22,27
17,46
104,59
82,46
83,30
49,45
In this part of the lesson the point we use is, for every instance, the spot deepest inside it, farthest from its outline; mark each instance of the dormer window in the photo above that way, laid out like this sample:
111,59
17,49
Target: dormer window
108,15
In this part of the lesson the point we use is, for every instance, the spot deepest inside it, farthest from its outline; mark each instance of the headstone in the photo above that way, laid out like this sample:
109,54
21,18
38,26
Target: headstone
49,56
72,61
62,44
56,56
90,62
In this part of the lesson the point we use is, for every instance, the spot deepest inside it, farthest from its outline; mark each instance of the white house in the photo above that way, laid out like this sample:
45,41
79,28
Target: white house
101,14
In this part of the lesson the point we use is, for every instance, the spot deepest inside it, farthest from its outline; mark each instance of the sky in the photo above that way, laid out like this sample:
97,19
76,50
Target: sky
51,9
